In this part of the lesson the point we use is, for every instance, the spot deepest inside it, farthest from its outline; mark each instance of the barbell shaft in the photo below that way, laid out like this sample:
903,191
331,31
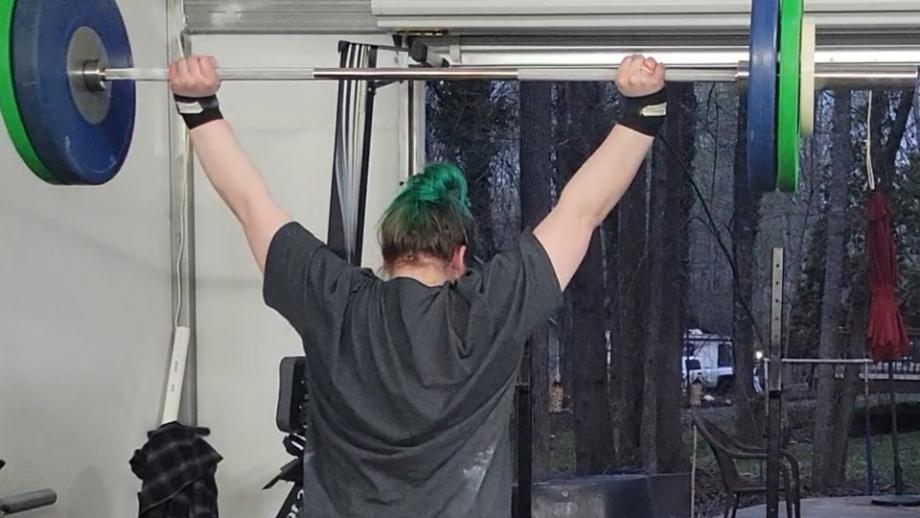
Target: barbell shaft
897,77
827,75
422,74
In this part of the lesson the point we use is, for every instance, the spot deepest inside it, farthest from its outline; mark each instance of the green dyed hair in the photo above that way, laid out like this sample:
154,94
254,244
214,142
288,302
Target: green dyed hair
429,218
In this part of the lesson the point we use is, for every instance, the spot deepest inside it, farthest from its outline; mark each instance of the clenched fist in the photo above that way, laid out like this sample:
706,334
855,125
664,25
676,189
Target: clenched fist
194,77
639,76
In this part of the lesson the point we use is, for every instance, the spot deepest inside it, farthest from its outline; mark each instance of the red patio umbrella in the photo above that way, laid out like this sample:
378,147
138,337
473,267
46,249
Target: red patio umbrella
886,335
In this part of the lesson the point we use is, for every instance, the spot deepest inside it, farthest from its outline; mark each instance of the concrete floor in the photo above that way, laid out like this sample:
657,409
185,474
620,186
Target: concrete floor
856,507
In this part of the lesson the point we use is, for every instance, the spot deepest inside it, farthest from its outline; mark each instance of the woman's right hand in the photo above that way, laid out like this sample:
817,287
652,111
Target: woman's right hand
194,77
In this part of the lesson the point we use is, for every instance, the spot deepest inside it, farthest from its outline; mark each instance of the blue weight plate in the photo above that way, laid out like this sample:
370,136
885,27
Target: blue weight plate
78,149
761,95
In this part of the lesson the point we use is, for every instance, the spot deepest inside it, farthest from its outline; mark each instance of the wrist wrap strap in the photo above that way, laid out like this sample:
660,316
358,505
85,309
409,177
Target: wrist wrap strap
646,114
198,110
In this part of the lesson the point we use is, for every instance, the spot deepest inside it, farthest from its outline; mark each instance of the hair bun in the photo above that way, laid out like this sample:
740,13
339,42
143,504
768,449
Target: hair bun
440,183
429,218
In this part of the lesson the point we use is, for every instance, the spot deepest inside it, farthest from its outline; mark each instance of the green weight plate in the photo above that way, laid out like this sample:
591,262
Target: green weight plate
787,123
8,105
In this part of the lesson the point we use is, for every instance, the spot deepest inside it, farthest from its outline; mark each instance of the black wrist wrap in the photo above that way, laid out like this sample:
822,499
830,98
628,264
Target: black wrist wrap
646,114
198,110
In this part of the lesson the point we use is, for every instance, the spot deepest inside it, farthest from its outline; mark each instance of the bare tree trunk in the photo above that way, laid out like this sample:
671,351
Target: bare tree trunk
653,350
593,425
823,474
564,163
609,231
567,354
480,194
536,202
884,152
680,133
744,234
855,344
632,309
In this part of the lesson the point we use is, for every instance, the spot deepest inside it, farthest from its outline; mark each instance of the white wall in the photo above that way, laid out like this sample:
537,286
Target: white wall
85,308
85,313
288,130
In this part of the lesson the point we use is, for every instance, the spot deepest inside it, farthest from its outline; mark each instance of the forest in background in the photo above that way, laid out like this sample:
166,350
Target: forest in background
688,246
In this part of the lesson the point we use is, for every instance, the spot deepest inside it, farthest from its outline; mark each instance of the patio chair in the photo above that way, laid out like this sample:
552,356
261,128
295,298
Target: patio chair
727,450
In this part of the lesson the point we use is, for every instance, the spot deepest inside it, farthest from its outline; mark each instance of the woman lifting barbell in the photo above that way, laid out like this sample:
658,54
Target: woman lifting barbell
412,377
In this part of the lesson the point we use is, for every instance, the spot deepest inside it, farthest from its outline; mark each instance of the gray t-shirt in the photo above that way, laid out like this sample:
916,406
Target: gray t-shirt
411,386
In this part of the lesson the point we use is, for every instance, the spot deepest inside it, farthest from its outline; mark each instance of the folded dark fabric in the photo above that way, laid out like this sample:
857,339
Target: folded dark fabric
177,469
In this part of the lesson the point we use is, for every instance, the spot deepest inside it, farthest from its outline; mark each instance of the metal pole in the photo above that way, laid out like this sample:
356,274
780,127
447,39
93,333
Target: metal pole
898,498
896,451
524,439
827,75
870,461
182,220
417,134
775,387
841,361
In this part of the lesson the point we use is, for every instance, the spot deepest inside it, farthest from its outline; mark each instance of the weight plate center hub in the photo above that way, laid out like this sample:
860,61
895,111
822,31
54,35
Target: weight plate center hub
86,53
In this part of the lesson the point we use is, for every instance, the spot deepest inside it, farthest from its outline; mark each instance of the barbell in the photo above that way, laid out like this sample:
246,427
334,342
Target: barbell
67,86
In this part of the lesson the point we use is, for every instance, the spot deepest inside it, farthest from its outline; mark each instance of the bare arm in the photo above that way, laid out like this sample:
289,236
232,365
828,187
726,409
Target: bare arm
587,199
233,175
603,179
